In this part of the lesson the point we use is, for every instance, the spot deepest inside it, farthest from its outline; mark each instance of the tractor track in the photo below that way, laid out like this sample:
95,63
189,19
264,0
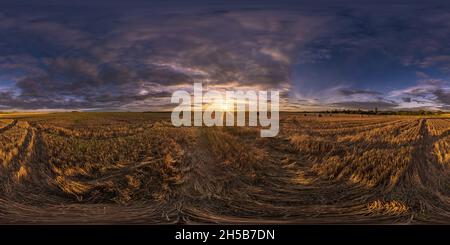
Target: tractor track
200,188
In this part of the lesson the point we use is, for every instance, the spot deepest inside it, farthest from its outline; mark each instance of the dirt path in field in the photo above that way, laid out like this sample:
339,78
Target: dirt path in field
9,126
33,199
426,182
279,188
10,176
211,193
282,198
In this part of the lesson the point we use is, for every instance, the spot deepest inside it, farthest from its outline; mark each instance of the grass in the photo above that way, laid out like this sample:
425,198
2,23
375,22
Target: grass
329,169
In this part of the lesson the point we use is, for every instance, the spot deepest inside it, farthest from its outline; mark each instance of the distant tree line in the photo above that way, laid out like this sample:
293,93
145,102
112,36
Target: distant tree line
377,112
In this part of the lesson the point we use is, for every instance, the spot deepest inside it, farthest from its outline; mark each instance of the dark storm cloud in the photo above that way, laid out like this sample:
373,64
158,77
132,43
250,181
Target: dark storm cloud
349,92
115,54
366,105
406,99
387,48
145,47
235,46
442,96
433,93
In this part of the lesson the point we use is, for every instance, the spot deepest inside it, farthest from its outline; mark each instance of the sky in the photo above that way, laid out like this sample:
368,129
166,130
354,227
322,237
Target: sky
132,55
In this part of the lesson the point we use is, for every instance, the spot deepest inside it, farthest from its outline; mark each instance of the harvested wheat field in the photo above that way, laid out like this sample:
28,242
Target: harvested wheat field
71,168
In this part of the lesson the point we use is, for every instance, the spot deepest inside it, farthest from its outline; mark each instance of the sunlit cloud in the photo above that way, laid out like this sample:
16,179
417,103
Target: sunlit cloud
132,57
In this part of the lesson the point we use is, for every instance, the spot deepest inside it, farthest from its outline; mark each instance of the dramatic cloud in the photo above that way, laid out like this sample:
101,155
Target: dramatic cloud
349,92
431,94
369,105
112,55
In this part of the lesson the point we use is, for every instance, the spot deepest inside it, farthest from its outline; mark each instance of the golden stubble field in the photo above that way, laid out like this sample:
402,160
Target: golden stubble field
138,168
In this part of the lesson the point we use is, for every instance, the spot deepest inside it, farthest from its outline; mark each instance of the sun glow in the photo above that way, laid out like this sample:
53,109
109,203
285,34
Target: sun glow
224,105
230,105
